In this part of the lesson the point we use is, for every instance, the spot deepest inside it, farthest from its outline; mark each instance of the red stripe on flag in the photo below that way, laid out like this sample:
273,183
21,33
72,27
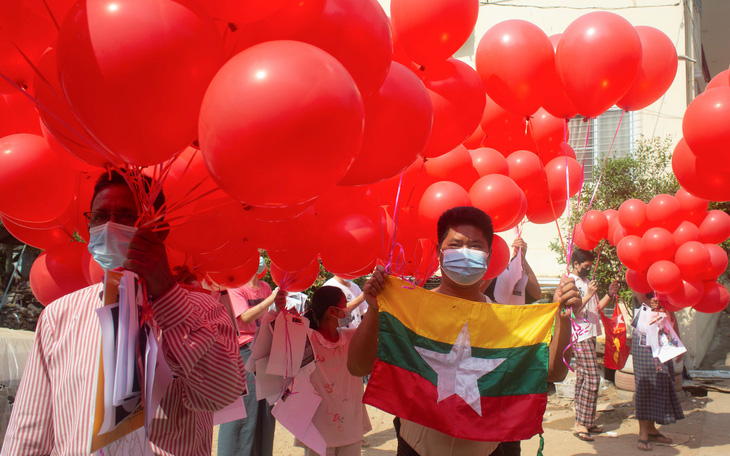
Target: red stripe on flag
408,395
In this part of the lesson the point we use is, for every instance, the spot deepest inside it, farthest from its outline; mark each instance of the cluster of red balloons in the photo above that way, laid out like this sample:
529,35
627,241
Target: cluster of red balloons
701,160
669,245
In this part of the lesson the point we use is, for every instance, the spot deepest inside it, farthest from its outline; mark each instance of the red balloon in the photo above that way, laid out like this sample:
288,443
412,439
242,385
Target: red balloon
457,95
59,271
438,198
135,72
499,260
499,197
497,121
715,299
721,79
595,225
509,143
42,237
349,243
475,140
718,262
58,118
512,59
702,177
692,258
636,280
549,133
657,244
543,209
302,133
398,122
229,265
715,228
685,232
488,161
455,166
686,295
293,259
632,215
557,102
433,31
17,114
597,59
703,125
35,185
357,33
276,214
24,35
691,208
664,276
556,177
656,72
294,282
527,172
663,210
630,254
611,216
242,12
234,278
581,240
296,233
618,233
211,224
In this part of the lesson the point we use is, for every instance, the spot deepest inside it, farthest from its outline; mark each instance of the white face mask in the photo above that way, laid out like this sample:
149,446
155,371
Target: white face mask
108,244
345,319
465,266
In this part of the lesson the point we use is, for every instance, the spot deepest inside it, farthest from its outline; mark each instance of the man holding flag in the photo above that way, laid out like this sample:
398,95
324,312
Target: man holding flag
461,374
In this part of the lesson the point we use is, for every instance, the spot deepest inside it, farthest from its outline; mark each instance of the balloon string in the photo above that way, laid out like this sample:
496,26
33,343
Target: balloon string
580,193
598,258
396,218
50,13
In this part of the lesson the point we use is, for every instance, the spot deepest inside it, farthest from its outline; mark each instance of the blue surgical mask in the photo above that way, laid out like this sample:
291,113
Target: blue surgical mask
465,266
108,244
346,319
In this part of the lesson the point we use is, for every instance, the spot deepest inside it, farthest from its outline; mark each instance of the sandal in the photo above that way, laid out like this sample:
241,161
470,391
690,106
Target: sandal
584,436
660,438
596,429
644,445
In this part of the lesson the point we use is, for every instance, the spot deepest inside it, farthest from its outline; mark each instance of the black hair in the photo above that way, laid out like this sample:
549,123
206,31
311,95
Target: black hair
113,177
323,299
465,215
581,256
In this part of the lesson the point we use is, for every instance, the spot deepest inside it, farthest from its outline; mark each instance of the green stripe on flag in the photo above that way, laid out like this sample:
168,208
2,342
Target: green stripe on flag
523,372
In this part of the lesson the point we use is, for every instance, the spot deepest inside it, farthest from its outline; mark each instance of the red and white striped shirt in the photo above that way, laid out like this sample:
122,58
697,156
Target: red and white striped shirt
53,411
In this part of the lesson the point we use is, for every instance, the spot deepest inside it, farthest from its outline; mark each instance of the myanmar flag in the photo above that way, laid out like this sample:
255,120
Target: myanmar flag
471,370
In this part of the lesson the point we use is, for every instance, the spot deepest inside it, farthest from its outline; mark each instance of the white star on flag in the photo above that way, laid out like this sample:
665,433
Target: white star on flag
458,372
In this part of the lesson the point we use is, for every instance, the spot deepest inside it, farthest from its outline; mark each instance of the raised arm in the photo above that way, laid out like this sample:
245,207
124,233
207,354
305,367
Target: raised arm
568,296
364,344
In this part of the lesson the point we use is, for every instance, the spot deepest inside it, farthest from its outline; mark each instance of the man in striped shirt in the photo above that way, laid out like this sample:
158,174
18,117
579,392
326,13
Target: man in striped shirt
54,410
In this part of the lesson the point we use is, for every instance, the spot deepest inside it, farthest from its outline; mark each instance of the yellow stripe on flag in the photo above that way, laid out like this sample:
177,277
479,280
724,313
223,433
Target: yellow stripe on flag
440,317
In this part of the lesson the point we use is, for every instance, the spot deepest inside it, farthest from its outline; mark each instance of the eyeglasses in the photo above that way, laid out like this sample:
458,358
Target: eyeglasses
101,217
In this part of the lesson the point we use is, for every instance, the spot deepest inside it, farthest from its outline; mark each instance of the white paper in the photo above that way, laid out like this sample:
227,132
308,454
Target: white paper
261,345
295,411
127,340
287,346
504,289
662,339
236,410
268,386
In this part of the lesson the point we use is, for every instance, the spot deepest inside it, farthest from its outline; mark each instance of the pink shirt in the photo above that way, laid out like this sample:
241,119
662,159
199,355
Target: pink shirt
54,409
242,299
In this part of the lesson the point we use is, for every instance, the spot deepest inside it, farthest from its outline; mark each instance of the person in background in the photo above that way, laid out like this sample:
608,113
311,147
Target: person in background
253,435
655,396
54,408
341,392
588,374
356,304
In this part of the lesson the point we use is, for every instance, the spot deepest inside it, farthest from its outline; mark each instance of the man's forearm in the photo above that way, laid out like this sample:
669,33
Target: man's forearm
355,302
557,369
364,345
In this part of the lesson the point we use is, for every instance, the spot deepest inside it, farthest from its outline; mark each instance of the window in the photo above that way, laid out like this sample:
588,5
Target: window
600,136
